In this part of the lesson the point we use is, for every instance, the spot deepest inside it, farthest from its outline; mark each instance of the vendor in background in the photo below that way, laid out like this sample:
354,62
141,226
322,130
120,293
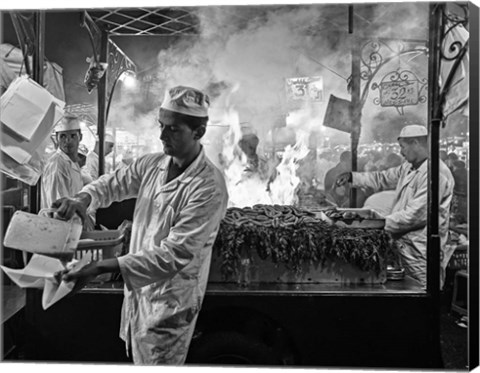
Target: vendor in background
407,222
460,193
345,165
340,194
255,165
62,176
181,200
82,159
451,158
92,158
443,156
373,158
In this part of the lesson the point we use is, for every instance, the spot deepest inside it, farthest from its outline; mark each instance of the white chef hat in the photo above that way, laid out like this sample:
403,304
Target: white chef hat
186,100
69,122
108,138
413,130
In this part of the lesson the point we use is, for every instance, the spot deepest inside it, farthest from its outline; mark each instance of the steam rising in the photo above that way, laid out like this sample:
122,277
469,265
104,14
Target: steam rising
242,56
257,48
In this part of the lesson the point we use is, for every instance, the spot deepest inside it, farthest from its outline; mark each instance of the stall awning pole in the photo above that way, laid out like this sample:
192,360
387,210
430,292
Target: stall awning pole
434,123
102,99
356,104
38,61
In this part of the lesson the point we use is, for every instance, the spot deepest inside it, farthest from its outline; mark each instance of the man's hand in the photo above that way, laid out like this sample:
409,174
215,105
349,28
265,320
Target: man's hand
344,178
87,272
67,207
84,275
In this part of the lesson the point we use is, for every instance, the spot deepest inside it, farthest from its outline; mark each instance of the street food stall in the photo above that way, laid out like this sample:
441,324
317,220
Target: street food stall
290,284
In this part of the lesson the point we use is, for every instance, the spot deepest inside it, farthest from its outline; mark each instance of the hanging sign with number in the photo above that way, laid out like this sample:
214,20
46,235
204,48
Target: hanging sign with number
402,93
400,89
305,89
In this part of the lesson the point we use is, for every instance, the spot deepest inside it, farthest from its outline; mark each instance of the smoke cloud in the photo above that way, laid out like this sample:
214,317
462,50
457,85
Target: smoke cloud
243,55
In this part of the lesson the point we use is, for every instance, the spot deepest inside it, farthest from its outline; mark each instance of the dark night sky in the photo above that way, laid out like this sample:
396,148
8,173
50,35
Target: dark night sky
68,45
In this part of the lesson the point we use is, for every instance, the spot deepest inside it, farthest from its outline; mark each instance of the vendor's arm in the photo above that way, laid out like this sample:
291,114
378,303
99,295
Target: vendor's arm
90,271
196,224
378,180
119,185
414,215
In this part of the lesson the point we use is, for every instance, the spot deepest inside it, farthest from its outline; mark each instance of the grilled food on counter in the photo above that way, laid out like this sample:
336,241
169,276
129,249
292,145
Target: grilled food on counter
293,237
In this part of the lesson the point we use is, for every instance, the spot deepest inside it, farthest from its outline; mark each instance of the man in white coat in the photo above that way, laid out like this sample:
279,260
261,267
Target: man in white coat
62,176
181,199
407,221
91,164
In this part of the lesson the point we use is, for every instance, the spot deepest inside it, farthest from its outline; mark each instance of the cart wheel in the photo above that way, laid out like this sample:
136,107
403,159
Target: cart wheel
234,348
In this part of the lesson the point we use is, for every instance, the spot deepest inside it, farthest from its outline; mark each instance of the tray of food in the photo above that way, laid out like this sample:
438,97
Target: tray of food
353,218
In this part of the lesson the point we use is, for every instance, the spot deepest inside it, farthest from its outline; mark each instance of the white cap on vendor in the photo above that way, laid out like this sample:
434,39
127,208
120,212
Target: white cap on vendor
186,100
68,123
413,130
107,138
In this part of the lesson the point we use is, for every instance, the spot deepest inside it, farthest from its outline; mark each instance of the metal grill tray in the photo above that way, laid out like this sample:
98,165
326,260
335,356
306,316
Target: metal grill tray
368,219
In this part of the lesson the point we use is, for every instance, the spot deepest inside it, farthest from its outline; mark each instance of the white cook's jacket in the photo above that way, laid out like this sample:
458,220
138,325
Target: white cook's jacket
408,218
61,178
166,269
91,165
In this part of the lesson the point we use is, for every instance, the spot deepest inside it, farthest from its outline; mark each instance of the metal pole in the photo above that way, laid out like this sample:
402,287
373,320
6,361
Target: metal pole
102,97
356,112
38,61
114,155
434,122
473,262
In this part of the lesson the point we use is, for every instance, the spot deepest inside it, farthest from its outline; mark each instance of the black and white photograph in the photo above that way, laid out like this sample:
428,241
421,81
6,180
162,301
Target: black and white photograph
266,185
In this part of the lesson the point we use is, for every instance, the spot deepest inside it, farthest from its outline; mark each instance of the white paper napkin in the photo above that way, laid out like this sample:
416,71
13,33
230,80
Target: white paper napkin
39,273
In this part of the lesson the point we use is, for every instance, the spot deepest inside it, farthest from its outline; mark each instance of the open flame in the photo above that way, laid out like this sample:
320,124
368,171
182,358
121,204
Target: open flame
247,188
283,188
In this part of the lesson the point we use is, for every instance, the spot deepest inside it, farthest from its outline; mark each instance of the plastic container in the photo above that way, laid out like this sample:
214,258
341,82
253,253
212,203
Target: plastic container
42,234
102,244
459,259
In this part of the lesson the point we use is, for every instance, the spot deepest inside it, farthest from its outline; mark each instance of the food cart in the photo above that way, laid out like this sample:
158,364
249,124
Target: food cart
313,305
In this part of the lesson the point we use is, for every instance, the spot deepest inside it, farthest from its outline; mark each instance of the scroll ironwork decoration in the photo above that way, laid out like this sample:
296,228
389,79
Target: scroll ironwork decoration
399,89
118,63
453,52
375,54
453,49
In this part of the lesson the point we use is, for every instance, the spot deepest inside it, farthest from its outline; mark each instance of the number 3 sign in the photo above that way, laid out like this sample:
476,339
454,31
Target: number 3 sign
305,89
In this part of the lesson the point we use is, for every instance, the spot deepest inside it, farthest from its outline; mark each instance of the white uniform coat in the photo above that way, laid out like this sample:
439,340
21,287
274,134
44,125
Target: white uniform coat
408,217
91,165
166,270
61,178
